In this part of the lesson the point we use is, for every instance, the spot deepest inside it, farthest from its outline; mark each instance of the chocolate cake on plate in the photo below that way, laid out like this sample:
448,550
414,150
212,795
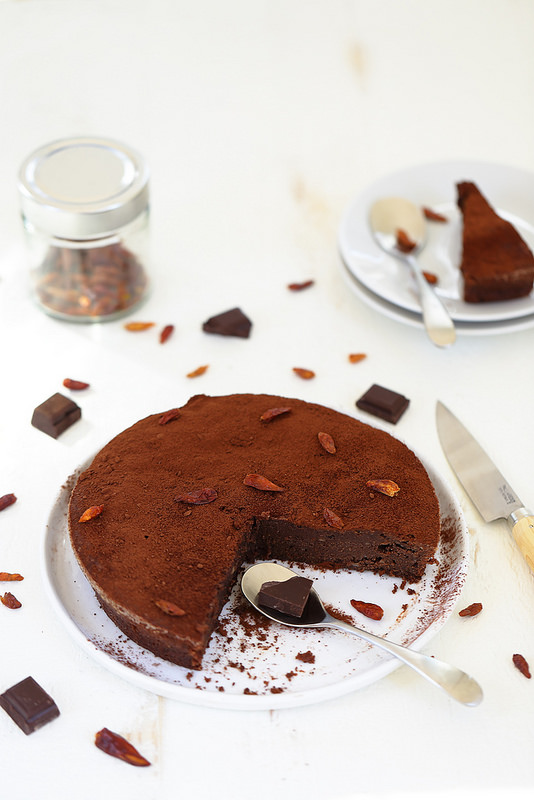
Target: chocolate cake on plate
179,501
496,262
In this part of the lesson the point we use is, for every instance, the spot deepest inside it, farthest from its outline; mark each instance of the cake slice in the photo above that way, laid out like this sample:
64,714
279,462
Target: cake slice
496,262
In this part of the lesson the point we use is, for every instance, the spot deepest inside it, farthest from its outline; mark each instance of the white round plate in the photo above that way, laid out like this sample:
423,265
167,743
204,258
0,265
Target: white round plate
254,664
509,190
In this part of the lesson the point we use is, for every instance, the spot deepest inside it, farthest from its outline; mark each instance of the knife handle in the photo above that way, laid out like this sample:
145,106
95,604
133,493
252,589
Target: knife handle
522,524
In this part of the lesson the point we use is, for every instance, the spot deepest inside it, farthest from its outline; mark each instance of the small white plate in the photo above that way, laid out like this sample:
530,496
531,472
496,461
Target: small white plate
509,190
415,320
254,664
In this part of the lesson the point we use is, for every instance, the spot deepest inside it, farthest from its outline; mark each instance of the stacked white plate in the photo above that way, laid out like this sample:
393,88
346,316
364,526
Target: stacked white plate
386,284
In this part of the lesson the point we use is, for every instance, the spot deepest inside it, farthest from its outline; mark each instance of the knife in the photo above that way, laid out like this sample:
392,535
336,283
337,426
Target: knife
488,489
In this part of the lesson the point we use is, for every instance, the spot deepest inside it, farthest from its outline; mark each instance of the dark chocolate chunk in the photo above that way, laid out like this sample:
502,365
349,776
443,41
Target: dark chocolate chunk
289,597
383,403
229,323
56,414
29,705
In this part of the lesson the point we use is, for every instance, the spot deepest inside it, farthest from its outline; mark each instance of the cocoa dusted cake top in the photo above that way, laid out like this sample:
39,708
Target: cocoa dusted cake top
184,497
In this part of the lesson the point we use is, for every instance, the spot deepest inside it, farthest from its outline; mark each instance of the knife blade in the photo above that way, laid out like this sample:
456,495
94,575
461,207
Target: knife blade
486,486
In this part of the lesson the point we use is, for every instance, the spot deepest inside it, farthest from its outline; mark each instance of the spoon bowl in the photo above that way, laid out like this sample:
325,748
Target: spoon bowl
387,217
456,683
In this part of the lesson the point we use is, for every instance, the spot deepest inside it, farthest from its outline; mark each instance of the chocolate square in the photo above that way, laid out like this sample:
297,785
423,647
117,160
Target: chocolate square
229,323
55,415
29,705
383,403
289,597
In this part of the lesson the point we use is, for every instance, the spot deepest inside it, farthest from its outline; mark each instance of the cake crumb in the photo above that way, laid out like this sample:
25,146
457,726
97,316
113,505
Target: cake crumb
308,657
236,665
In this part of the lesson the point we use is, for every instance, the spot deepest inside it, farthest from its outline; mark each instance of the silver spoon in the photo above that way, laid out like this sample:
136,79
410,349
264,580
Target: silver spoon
387,217
456,683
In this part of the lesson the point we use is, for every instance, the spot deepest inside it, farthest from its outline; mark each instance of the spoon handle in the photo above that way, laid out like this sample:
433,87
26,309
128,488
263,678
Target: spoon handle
436,318
458,684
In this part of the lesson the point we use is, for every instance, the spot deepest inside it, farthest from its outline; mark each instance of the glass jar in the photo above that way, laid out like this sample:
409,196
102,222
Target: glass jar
85,210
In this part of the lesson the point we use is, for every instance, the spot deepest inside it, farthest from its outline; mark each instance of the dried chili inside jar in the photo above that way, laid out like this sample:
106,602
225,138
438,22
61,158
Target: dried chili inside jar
85,210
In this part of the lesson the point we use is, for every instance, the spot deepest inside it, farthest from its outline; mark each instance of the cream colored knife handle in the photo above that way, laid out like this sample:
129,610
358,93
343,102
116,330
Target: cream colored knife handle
522,524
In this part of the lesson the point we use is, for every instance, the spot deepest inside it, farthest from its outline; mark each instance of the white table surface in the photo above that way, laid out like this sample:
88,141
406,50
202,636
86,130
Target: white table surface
261,121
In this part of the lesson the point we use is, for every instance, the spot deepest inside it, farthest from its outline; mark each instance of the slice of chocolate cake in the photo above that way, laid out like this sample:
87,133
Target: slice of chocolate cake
184,499
496,262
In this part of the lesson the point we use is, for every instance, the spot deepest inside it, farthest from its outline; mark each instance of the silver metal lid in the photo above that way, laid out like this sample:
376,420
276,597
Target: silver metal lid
83,188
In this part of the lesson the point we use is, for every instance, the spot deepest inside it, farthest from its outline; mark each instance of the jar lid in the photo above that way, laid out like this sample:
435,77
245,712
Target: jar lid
83,188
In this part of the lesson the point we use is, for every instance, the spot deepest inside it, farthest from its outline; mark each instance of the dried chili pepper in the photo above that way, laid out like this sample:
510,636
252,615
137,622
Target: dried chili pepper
118,747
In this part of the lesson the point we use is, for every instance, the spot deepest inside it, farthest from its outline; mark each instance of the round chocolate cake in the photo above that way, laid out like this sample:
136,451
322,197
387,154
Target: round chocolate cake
171,508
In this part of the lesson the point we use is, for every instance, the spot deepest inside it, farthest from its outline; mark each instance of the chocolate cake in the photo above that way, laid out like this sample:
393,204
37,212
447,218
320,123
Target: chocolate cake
179,501
496,263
